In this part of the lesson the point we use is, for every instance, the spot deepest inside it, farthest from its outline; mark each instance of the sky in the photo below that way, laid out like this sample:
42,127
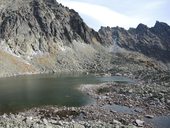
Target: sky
122,13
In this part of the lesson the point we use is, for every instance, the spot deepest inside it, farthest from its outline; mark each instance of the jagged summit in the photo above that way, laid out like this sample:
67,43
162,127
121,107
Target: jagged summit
153,42
160,24
142,28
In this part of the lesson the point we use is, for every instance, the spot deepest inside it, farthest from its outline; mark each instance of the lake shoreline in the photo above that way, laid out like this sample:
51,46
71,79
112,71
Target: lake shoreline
41,73
150,93
95,114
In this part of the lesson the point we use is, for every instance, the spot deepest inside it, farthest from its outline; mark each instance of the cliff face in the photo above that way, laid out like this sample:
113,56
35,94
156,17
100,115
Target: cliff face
153,42
32,26
47,36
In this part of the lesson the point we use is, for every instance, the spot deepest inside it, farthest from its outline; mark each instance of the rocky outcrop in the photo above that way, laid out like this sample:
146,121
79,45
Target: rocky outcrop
33,26
153,42
47,35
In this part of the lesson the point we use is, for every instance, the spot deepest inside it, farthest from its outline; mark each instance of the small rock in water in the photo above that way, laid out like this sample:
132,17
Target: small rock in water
112,111
149,116
139,123
138,110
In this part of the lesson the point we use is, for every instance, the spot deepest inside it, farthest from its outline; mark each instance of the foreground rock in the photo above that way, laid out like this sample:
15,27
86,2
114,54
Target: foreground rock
139,123
43,118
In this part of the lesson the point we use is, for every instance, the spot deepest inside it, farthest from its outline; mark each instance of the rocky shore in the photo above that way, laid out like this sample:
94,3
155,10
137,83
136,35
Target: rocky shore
116,104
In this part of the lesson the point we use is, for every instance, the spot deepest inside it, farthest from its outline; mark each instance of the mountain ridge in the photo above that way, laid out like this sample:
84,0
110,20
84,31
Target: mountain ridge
43,36
153,42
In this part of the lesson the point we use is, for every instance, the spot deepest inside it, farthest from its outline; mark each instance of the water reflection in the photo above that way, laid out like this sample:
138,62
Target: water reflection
123,109
27,91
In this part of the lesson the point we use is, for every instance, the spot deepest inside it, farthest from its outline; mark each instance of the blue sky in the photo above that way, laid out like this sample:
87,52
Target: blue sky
124,13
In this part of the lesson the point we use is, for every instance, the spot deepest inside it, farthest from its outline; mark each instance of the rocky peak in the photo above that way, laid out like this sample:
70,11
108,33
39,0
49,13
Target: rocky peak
153,42
106,35
162,30
109,35
141,28
161,25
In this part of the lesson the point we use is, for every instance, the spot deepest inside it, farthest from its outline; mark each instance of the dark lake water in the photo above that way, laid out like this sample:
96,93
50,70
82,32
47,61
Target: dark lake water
22,92
123,109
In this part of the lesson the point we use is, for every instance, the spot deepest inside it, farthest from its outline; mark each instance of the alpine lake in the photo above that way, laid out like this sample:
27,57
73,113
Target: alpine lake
24,92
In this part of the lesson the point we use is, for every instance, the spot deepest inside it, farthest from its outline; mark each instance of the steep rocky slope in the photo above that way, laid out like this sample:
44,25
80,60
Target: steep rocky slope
153,42
41,36
48,36
33,26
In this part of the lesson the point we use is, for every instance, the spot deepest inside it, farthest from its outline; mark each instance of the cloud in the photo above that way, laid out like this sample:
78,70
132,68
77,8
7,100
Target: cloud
103,15
112,13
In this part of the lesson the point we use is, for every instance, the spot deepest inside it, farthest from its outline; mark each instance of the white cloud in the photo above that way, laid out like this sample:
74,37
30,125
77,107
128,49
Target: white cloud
104,15
96,15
